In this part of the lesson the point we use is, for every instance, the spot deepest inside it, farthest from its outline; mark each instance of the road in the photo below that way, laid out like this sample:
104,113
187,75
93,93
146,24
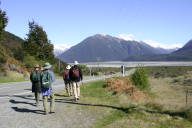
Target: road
18,109
139,63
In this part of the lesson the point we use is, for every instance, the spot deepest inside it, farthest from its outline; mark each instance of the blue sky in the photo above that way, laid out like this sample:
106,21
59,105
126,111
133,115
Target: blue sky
164,22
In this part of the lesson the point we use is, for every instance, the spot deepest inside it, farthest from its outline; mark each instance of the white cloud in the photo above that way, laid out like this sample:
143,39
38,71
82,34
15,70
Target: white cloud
126,36
160,45
60,48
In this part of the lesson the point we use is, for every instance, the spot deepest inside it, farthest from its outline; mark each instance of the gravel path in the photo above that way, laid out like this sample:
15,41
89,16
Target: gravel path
18,109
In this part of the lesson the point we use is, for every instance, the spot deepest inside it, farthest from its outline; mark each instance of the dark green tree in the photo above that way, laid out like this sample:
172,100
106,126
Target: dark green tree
3,21
37,44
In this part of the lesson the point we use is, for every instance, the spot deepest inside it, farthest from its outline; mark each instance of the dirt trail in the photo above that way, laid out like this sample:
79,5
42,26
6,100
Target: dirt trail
20,112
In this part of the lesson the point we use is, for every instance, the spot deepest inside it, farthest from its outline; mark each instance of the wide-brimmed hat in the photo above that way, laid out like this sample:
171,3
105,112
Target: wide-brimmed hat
47,65
76,62
68,67
36,66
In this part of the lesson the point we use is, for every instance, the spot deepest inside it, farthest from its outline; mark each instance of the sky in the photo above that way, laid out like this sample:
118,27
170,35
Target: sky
166,23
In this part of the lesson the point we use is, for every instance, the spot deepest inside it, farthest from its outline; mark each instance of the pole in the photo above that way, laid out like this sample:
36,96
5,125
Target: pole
90,70
59,66
186,97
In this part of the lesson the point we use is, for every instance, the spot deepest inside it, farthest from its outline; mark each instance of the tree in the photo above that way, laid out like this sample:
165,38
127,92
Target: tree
3,21
37,43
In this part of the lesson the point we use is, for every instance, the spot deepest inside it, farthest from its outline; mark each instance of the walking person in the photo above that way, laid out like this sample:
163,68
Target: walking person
75,75
35,78
47,79
67,81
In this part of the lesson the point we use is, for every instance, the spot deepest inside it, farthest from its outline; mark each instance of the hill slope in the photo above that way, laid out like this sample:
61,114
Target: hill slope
10,44
107,48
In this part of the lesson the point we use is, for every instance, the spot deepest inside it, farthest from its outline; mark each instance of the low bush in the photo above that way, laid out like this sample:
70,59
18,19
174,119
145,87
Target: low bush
140,78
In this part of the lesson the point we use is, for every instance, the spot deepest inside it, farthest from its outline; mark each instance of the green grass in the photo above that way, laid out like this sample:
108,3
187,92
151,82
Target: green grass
12,77
166,71
120,111
5,79
164,109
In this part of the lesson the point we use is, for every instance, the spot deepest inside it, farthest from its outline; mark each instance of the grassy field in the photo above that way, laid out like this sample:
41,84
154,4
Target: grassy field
12,77
165,106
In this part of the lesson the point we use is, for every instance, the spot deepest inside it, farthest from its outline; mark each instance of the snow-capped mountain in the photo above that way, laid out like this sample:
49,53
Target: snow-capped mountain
108,48
60,48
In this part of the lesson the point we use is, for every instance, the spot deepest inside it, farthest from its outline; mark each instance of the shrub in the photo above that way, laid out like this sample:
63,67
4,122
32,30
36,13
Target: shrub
140,78
30,61
85,69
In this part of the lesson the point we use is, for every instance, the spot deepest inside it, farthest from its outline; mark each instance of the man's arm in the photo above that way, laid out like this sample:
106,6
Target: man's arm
81,74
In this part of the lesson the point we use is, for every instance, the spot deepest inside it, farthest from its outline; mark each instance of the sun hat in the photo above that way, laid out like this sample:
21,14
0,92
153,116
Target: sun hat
68,67
76,62
36,66
47,65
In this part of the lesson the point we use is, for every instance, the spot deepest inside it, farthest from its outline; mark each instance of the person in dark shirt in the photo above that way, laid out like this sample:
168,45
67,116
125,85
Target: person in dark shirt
75,75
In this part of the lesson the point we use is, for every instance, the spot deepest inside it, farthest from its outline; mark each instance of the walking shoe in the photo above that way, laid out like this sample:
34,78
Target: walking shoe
75,99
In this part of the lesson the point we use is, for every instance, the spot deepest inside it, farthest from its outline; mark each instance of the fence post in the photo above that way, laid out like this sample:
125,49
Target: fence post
186,97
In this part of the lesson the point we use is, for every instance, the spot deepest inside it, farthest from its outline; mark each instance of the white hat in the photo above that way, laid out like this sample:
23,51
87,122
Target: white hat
76,62
47,66
68,67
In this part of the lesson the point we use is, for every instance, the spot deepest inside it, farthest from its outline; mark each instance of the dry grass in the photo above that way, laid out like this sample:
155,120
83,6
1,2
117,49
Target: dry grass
166,109
12,76
171,96
123,84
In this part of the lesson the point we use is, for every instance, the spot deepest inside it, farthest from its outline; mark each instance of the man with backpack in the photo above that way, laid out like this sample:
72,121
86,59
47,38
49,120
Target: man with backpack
47,79
75,75
35,78
67,81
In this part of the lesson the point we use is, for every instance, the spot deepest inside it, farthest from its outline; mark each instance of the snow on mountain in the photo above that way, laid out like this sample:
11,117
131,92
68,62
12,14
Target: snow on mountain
60,48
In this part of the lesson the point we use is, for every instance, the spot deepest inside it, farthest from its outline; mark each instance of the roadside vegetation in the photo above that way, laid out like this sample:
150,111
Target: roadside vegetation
161,106
12,76
20,55
94,71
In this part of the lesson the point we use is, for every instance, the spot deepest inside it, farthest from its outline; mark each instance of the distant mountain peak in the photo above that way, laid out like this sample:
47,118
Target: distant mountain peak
108,48
188,45
60,48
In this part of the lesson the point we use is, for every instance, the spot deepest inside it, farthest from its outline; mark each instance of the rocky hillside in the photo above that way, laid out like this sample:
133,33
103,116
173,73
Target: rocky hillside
10,46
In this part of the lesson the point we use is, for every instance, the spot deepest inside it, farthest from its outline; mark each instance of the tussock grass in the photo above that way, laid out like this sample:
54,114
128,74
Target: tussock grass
12,76
120,111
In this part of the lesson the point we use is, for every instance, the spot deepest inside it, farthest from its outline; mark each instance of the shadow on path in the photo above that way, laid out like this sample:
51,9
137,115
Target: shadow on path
20,102
182,114
25,110
27,97
60,95
126,110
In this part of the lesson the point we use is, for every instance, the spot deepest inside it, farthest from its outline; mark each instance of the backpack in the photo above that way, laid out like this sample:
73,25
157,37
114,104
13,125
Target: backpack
45,80
75,73
34,76
66,75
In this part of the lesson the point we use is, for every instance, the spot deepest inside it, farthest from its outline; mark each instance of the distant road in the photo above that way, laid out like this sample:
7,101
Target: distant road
137,63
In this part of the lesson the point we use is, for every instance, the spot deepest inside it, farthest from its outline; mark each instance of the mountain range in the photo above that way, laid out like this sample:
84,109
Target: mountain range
108,48
182,54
